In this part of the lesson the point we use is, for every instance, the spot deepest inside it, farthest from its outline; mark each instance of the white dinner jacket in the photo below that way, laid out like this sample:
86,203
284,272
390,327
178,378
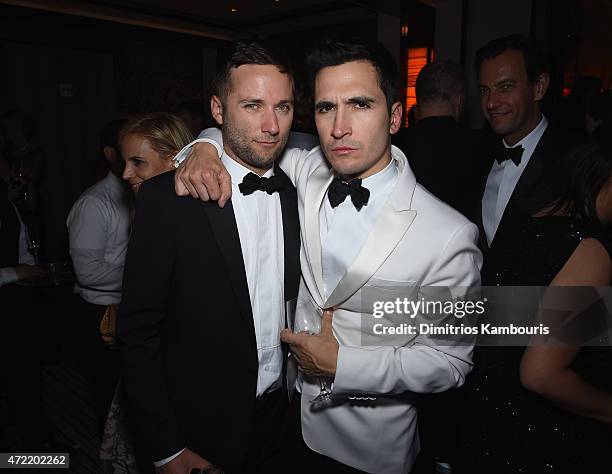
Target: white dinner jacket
417,240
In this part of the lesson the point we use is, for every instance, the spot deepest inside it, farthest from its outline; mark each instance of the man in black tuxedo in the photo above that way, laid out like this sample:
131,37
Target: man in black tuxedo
203,363
512,80
449,159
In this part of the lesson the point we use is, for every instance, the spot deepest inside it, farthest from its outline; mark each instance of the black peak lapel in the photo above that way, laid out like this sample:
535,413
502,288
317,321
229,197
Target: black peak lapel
291,236
223,224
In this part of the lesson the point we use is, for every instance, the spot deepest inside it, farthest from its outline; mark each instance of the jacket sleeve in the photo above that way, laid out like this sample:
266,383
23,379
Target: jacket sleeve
424,366
146,289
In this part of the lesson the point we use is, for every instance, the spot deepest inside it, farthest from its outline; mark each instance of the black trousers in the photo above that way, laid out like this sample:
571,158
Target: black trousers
100,362
300,459
267,443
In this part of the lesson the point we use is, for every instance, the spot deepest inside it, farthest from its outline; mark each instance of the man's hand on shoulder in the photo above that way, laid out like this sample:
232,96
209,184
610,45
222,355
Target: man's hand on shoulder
184,463
202,175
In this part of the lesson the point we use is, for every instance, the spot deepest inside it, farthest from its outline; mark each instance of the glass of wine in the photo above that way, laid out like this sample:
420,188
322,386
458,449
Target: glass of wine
307,318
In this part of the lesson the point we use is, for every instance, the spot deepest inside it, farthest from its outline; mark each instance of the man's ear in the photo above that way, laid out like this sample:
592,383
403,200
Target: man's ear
216,109
110,154
396,117
541,86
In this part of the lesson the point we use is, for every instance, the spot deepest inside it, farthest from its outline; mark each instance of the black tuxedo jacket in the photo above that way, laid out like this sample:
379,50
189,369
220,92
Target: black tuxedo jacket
449,159
551,146
188,339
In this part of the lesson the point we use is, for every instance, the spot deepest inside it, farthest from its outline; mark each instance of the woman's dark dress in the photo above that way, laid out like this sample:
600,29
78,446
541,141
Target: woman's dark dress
508,429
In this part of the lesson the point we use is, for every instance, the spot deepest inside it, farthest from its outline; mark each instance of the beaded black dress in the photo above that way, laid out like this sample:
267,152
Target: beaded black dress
508,429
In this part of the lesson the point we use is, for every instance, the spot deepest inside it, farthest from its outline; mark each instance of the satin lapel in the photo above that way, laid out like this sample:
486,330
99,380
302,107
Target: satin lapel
317,184
223,224
389,229
291,236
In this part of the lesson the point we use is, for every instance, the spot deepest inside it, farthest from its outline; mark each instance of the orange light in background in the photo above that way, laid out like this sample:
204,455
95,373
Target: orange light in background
404,30
417,59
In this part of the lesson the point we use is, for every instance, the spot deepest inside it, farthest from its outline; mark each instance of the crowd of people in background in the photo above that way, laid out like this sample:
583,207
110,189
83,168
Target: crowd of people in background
531,193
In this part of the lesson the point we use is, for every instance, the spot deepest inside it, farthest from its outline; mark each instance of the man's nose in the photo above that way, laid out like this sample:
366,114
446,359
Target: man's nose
270,122
491,100
341,125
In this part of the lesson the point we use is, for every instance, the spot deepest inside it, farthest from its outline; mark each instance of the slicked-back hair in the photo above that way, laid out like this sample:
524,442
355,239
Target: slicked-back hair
440,81
330,53
166,133
251,52
535,62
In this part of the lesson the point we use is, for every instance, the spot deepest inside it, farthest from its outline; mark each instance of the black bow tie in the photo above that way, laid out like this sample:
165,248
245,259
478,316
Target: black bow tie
252,183
339,190
515,154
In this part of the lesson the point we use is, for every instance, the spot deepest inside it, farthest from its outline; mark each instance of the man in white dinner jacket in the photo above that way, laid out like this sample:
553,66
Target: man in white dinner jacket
366,224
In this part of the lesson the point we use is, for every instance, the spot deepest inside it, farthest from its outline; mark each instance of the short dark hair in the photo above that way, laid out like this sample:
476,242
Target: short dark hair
334,53
109,136
535,62
440,80
252,52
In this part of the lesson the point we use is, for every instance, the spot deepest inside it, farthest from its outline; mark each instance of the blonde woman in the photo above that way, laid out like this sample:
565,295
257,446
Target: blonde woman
148,144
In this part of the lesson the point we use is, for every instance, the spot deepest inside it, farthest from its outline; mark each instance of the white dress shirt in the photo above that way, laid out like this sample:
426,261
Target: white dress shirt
8,274
502,180
260,228
344,229
98,228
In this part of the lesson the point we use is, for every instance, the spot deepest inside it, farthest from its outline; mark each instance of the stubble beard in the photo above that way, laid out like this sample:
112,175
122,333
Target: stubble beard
238,140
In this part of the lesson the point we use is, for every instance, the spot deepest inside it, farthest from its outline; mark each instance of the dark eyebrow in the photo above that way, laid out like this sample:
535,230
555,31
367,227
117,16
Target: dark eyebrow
285,102
505,81
324,103
251,101
360,100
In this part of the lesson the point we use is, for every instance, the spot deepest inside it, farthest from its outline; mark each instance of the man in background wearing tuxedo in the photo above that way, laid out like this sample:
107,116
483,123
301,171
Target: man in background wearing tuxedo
512,80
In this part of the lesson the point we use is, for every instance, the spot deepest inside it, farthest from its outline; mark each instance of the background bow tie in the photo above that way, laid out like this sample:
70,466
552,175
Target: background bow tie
252,183
515,154
339,190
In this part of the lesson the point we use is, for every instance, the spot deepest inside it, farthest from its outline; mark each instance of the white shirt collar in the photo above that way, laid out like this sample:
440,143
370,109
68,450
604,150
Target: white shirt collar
238,171
115,181
532,138
381,180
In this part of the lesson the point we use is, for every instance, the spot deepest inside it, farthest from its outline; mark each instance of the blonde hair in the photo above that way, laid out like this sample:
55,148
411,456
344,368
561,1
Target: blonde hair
166,133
